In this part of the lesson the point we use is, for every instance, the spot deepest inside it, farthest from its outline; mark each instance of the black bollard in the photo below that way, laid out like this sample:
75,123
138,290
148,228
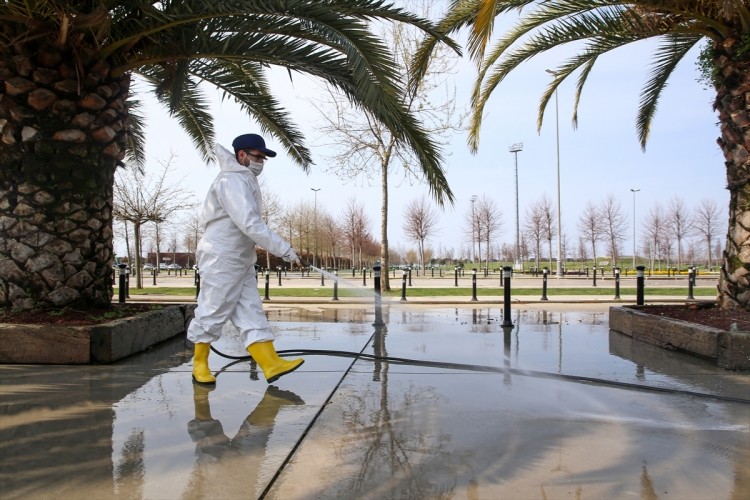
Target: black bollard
127,284
474,285
617,283
545,272
268,280
432,268
691,272
639,272
197,282
378,305
456,277
354,274
410,275
364,276
122,283
336,285
594,269
403,287
506,296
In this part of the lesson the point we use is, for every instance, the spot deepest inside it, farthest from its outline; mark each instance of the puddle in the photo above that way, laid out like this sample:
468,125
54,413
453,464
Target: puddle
344,428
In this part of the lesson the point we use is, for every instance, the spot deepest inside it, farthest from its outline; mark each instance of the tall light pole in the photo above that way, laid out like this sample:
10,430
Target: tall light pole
515,148
559,215
315,216
473,223
634,191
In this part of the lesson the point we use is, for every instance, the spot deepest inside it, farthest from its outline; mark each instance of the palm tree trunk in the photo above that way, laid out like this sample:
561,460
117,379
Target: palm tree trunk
63,133
734,116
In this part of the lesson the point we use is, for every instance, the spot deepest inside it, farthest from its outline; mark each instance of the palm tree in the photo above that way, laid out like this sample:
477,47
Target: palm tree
603,26
68,117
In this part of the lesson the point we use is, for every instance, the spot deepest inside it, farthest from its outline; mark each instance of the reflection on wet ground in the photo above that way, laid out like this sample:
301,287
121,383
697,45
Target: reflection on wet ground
560,411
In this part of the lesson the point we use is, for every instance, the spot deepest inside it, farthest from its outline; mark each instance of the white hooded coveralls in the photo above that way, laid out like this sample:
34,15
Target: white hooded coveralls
226,255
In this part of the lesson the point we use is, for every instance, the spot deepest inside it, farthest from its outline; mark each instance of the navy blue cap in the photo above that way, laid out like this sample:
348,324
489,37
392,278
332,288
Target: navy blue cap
252,141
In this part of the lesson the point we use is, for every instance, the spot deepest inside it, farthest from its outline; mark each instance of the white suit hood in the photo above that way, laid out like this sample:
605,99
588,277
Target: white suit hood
232,219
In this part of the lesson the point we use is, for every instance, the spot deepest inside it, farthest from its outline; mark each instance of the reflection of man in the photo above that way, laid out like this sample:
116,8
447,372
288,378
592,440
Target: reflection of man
226,255
245,451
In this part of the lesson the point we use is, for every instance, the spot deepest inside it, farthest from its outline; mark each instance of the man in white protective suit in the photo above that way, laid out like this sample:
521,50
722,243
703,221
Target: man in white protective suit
226,259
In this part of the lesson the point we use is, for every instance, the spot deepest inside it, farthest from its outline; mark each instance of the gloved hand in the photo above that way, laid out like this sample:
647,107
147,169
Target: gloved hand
291,256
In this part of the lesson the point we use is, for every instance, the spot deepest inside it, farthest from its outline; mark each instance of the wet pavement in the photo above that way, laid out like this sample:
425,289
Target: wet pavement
555,407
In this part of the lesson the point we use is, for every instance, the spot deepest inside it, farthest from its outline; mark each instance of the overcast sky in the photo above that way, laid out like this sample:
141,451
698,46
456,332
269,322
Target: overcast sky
602,156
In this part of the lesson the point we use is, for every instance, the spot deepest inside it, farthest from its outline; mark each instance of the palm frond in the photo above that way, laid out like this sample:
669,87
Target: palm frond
192,111
136,136
671,52
246,84
579,22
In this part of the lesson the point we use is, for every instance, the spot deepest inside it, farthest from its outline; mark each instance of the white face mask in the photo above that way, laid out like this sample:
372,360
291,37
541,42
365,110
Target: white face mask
255,167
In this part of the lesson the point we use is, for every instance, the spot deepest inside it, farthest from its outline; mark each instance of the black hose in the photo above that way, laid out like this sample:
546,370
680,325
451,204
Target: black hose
493,369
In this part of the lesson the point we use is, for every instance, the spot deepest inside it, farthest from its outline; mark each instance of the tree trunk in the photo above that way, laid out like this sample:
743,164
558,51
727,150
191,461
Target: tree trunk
385,283
138,253
733,109
63,132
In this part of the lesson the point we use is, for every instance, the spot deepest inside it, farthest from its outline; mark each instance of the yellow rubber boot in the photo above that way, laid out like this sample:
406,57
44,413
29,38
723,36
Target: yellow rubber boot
201,373
272,365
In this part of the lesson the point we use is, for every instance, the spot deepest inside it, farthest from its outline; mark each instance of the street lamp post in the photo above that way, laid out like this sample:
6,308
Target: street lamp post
515,148
559,214
634,246
315,218
473,223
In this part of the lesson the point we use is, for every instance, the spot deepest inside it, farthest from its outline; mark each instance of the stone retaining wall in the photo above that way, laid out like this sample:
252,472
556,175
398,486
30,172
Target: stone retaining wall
103,343
730,350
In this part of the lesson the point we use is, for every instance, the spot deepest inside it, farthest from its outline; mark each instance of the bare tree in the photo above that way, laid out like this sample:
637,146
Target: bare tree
420,223
193,233
534,229
547,219
654,227
297,222
564,247
271,213
583,252
506,252
472,231
680,224
354,223
139,199
331,234
489,224
615,224
362,146
665,248
707,223
288,224
591,226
